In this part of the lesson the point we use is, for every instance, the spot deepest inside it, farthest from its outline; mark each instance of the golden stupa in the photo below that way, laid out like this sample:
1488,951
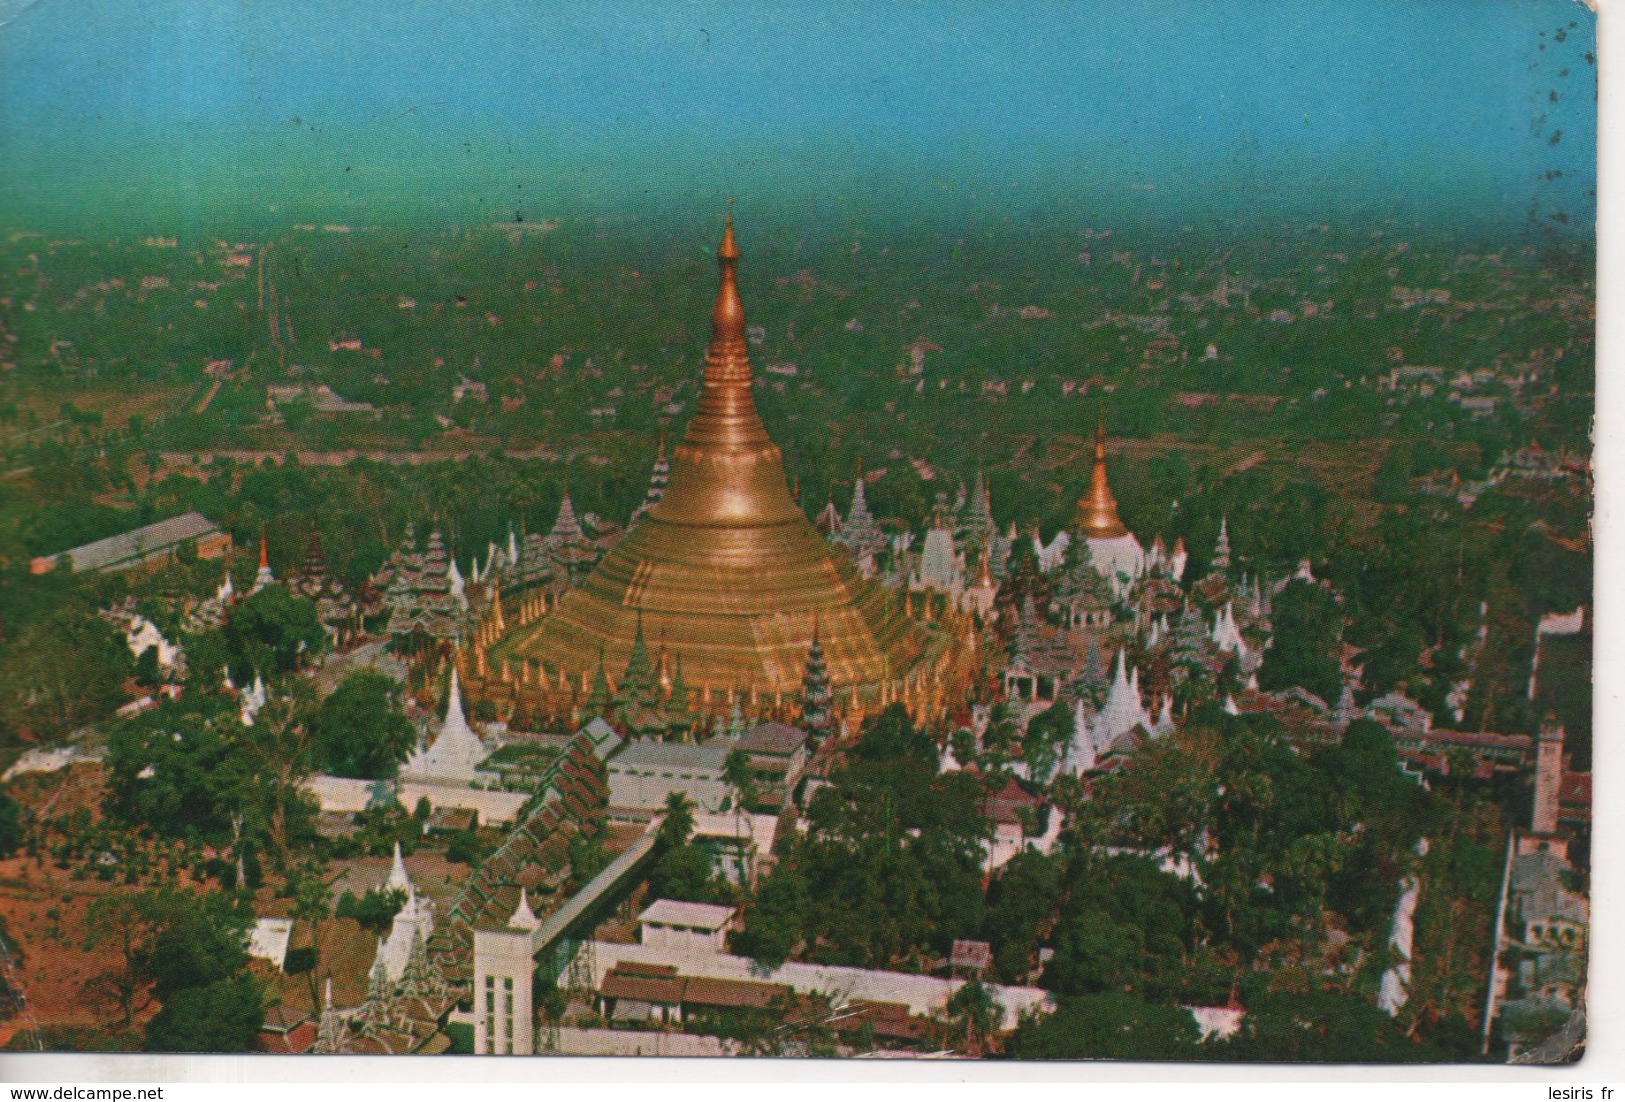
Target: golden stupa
725,571
1097,512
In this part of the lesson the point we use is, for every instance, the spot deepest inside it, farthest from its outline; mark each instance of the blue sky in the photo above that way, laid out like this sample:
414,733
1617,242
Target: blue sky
1465,83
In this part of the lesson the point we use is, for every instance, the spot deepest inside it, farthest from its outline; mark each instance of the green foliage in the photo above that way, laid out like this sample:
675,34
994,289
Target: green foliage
687,872
466,847
679,821
375,909
1048,735
587,857
359,731
891,736
11,825
146,667
1308,631
1108,1026
172,944
272,630
890,871
1020,901
188,769
61,673
773,923
222,1016
1320,1027
1126,926
737,772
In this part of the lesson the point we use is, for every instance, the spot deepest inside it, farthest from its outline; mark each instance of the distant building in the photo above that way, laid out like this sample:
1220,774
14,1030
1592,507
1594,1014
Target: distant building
149,543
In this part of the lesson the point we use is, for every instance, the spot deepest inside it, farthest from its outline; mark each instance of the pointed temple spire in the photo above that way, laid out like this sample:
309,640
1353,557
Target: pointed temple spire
598,700
264,577
398,880
816,696
523,917
1097,513
1221,549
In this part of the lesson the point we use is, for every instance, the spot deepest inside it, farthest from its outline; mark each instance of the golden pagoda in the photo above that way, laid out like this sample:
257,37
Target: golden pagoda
1097,512
724,567
1114,551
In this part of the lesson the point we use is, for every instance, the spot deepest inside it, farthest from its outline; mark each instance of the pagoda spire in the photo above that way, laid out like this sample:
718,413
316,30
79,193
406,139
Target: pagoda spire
1097,513
598,700
816,697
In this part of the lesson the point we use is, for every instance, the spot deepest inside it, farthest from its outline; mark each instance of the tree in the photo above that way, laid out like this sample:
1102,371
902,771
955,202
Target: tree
358,731
1046,741
891,735
1108,1026
374,910
272,630
974,1015
679,823
62,672
122,919
169,941
223,1016
587,857
737,772
265,773
685,870
11,827
146,667
1020,901
1308,631
312,900
1125,925
773,921
1319,1027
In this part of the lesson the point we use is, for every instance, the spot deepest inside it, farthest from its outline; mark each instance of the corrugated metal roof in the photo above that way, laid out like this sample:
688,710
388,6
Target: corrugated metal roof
139,543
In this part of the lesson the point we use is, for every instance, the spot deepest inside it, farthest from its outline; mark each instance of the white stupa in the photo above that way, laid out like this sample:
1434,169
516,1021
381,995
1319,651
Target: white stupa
456,752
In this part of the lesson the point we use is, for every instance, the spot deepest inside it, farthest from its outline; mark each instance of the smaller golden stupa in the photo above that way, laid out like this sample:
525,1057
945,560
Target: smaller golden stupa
1097,512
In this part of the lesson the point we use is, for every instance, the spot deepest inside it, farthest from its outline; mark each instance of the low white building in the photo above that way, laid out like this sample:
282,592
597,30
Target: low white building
923,995
685,928
643,774
349,796
269,939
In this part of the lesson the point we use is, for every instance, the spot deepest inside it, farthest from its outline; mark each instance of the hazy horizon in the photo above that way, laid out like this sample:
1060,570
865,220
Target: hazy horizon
193,113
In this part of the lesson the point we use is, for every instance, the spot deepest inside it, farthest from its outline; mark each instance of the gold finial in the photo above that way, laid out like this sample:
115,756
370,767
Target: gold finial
729,249
728,315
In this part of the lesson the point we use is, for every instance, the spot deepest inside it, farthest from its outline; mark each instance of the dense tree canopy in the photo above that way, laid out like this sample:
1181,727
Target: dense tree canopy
359,730
1308,630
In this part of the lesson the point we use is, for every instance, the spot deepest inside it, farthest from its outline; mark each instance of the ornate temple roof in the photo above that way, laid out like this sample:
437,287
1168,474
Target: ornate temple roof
725,566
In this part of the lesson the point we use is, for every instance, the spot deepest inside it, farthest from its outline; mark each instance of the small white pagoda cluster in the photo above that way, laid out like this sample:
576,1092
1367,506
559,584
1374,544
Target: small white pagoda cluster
253,699
1123,713
413,924
456,752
